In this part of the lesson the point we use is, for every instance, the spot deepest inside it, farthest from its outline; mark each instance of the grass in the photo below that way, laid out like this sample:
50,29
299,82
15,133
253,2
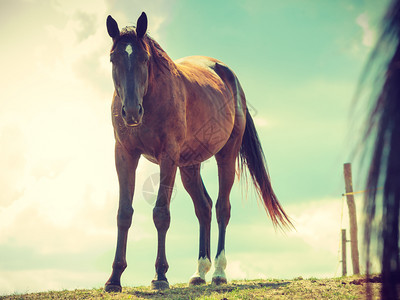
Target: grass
353,287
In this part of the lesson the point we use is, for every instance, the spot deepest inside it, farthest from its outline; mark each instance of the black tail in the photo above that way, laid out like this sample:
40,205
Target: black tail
252,155
385,165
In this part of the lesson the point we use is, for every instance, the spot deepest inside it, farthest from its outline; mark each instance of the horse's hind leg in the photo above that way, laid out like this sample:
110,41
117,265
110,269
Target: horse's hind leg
226,158
202,204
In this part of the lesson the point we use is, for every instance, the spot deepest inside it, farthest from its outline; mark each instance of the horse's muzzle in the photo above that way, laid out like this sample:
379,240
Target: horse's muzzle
132,117
133,123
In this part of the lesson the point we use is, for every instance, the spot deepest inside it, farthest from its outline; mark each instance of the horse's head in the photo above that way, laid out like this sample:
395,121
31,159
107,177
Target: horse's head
130,67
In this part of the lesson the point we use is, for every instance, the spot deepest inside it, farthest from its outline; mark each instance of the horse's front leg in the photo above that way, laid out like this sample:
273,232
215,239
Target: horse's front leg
161,217
126,164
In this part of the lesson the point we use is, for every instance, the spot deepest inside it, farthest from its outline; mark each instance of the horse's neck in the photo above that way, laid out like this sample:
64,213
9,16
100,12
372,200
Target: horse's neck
162,81
165,100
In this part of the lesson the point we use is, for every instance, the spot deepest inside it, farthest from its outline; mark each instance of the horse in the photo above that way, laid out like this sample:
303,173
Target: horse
384,131
178,114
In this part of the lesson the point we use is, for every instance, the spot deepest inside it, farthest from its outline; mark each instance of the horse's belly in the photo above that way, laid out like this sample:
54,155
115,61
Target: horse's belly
151,158
207,132
211,108
205,142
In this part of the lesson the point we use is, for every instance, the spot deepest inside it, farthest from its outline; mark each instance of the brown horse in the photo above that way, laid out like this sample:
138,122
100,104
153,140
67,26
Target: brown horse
178,114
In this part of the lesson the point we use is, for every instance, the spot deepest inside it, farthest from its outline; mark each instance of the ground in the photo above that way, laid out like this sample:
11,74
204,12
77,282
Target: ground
353,287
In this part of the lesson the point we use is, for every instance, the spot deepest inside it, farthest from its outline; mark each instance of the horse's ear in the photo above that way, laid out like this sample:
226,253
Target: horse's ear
112,27
141,25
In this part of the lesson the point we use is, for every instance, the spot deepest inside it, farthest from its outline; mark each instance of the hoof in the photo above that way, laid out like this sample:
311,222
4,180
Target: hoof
159,285
219,280
196,281
113,288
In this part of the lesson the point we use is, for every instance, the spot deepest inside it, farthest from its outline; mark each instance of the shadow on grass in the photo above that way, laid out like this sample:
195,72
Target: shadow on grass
177,292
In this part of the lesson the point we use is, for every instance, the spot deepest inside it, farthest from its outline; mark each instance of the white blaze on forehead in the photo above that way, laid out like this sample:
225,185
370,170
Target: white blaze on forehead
129,49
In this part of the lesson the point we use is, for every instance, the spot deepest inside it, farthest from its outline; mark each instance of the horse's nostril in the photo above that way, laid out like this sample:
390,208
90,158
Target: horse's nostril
140,109
123,111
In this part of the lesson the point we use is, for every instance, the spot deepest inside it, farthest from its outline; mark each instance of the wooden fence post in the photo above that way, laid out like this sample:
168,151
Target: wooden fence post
353,218
344,261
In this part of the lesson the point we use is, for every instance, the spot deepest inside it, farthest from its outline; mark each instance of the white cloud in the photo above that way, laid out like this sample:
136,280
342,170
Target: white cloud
261,122
158,13
273,254
13,160
59,185
360,45
368,38
318,223
235,271
70,8
46,280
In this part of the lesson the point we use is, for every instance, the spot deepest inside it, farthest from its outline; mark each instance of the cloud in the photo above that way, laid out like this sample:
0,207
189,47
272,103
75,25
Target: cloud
59,186
235,270
368,37
364,37
158,12
29,281
318,223
261,122
13,160
311,250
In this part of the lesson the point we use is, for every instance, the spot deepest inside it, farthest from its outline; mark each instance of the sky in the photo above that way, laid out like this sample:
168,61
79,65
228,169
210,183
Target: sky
298,62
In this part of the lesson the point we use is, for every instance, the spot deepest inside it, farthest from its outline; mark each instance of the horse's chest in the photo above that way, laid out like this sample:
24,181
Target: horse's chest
135,139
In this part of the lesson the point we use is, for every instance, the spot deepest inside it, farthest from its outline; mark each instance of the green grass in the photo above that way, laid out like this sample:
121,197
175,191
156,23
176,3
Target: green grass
298,288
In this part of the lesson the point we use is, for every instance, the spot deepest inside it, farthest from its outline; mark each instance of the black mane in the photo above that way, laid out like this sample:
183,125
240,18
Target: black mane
384,129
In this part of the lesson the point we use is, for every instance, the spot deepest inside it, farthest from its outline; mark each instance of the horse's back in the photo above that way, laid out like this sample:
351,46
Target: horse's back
213,101
206,72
